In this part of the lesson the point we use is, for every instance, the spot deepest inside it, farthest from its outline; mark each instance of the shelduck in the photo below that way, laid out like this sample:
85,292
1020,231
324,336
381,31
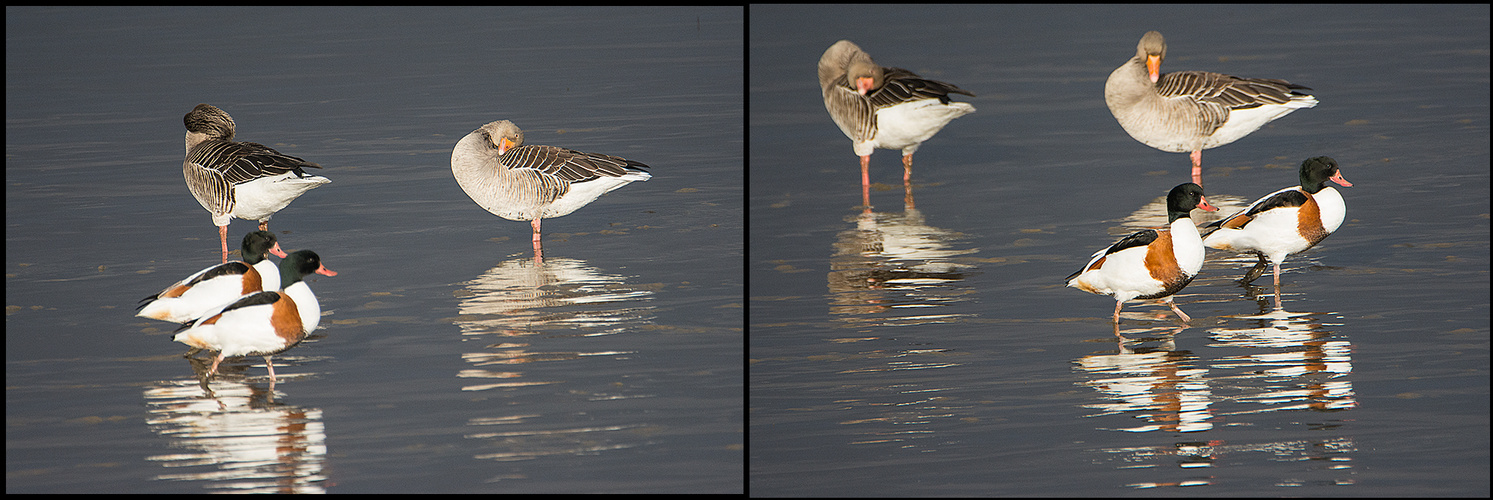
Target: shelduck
883,107
1189,111
531,182
217,285
1152,263
239,179
262,323
1287,221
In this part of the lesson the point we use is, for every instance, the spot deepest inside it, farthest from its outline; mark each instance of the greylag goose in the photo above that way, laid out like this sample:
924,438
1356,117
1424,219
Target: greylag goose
881,107
263,323
1287,221
530,182
1190,111
1152,263
239,179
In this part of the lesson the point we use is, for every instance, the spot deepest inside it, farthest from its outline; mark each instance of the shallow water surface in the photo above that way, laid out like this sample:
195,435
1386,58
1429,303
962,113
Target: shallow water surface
930,348
446,360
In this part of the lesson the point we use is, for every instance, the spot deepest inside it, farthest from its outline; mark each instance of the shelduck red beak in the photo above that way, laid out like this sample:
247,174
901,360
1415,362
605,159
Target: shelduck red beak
324,270
1153,66
1203,205
863,85
277,251
1338,178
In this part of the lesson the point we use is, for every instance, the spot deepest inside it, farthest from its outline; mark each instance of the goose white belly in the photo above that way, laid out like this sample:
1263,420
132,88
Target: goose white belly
1243,122
260,198
581,194
907,125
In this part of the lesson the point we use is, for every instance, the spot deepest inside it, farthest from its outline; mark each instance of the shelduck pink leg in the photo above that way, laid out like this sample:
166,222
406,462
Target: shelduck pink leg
1177,310
1277,285
214,370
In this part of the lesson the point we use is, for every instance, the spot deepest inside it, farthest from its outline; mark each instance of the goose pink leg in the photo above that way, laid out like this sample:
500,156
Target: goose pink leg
906,169
538,251
1197,167
223,238
907,181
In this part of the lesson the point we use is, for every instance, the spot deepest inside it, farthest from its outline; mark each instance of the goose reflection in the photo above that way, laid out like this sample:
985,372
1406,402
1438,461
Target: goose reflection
237,440
541,333
890,268
1153,214
517,298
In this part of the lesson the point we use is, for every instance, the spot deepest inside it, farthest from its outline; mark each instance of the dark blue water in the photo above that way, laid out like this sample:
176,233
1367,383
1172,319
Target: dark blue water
935,351
445,361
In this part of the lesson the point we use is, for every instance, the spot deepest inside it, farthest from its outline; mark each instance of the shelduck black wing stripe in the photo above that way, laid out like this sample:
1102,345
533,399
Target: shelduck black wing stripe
1137,239
1286,197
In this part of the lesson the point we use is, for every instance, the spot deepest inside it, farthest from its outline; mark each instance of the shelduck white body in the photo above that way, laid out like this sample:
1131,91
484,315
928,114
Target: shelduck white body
1153,263
194,295
263,323
1287,221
